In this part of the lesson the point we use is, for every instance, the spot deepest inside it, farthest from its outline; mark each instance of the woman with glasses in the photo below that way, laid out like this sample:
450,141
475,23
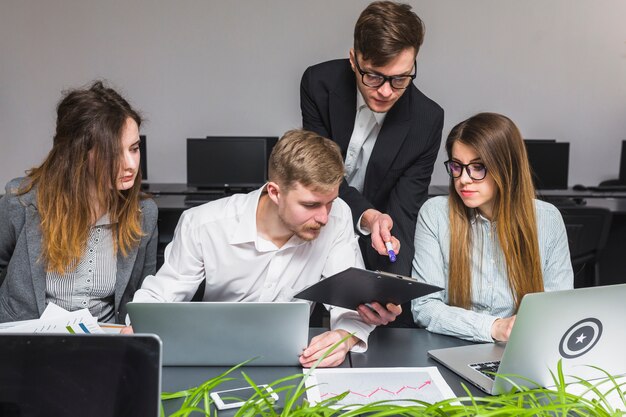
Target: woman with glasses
490,241
76,231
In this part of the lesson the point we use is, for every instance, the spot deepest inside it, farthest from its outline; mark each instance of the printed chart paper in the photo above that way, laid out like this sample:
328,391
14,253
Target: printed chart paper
368,385
56,320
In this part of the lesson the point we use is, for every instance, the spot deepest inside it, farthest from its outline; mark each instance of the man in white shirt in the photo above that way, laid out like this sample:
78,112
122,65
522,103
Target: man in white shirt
273,242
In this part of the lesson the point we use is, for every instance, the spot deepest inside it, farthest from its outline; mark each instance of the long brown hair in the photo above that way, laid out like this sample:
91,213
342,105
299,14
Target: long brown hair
85,159
499,144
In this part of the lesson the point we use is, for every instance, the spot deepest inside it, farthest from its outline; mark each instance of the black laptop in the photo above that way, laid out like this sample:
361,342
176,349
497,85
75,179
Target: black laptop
79,375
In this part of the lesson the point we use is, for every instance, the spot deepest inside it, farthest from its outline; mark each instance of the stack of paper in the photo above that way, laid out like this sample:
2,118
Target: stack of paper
56,320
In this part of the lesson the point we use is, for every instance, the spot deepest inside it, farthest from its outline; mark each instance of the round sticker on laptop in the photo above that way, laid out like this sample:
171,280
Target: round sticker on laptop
580,338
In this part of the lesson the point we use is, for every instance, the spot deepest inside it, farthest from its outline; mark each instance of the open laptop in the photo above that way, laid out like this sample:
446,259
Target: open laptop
225,333
579,327
79,375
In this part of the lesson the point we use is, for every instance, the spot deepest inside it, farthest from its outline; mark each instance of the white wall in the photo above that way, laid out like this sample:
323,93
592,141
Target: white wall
232,67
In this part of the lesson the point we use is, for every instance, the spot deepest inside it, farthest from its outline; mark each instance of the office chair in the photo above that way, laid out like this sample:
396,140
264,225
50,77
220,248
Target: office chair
587,233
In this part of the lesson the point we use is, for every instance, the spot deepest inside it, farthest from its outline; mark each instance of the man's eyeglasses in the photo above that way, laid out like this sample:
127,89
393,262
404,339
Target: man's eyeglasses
475,170
376,80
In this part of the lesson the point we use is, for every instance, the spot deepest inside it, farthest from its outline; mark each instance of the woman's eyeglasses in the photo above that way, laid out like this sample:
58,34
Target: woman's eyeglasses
475,170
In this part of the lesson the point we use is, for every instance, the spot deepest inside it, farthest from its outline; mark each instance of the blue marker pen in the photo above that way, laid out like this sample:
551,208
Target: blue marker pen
392,254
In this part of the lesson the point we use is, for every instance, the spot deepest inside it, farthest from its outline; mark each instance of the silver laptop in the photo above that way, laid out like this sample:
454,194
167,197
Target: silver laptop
579,327
225,333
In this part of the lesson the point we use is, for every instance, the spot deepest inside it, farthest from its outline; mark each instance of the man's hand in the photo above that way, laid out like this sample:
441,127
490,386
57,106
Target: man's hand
127,330
501,329
380,224
380,315
320,344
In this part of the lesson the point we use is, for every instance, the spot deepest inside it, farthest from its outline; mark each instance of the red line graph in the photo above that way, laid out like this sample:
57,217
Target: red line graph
380,389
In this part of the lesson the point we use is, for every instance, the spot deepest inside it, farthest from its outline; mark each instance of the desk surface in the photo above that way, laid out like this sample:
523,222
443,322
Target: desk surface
388,347
433,190
171,197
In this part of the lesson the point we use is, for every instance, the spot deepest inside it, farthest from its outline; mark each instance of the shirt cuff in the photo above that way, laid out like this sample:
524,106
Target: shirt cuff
350,321
362,230
483,328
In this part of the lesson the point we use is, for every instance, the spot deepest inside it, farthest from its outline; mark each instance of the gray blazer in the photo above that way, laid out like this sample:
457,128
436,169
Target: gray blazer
23,276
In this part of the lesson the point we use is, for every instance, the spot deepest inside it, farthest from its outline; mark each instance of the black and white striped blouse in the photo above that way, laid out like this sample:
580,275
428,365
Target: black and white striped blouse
92,283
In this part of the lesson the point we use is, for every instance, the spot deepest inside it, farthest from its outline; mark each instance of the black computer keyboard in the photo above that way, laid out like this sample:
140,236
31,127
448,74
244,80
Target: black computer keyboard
488,369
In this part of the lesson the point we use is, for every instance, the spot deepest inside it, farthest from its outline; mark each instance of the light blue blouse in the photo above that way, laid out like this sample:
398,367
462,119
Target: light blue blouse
491,295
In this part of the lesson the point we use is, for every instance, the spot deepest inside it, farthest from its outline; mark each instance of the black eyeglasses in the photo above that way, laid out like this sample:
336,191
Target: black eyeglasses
372,80
475,170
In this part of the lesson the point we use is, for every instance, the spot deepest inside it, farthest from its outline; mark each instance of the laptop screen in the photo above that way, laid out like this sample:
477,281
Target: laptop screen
86,375
226,162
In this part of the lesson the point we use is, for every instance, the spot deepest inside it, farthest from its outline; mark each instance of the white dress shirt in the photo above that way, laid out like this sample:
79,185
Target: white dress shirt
218,241
491,296
367,125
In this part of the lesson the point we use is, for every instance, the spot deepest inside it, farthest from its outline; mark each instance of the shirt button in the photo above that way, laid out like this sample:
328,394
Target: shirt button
98,230
88,280
97,240
91,270
84,303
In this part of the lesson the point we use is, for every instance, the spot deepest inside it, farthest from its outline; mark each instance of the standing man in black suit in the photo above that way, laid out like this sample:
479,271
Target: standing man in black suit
389,131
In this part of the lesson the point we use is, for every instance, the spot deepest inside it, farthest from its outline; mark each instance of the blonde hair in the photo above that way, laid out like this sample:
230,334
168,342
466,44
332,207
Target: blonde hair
85,158
306,158
499,144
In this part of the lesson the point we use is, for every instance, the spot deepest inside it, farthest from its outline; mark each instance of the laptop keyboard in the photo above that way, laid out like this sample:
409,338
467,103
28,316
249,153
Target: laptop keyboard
486,367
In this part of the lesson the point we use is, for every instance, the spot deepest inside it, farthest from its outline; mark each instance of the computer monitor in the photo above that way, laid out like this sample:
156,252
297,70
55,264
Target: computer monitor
144,157
226,162
270,141
622,164
549,163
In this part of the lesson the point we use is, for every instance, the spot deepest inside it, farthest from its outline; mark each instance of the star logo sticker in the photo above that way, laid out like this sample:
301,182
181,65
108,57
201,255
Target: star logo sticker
580,338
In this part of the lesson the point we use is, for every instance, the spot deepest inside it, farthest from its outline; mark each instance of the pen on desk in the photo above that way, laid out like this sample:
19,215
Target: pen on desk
390,252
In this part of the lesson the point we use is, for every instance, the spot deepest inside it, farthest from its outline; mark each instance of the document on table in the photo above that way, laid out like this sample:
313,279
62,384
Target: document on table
56,320
400,386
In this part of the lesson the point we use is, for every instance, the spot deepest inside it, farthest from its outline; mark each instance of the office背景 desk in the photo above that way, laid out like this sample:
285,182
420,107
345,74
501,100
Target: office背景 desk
388,347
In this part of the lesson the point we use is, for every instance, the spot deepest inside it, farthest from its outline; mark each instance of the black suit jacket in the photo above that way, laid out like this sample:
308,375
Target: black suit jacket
399,170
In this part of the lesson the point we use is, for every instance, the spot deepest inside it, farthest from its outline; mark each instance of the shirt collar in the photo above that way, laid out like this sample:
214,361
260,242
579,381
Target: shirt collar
105,220
246,230
360,103
476,216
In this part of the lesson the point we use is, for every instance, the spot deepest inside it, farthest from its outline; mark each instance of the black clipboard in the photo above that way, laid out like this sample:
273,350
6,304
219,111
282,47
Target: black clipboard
355,286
